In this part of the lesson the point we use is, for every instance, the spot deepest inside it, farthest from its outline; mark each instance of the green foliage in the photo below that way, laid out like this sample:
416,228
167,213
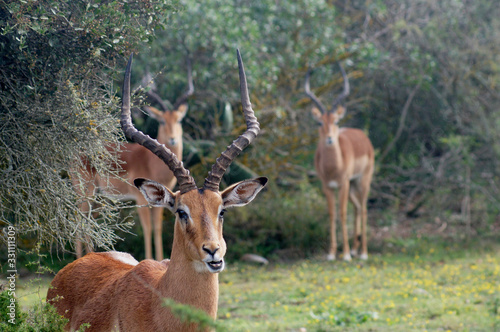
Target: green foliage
454,86
9,311
441,155
58,105
41,318
190,315
343,316
294,227
278,41
448,51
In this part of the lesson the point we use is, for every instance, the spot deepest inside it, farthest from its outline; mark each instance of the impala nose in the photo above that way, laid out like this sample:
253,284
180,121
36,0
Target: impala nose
172,141
210,249
329,140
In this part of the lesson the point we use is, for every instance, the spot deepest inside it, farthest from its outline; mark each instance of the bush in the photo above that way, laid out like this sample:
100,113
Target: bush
58,104
42,318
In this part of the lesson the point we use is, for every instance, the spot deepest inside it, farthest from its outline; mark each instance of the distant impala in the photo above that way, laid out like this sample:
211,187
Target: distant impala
344,161
137,161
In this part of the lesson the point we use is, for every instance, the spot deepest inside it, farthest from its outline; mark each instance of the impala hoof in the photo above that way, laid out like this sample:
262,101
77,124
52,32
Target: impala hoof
330,257
364,257
354,252
347,258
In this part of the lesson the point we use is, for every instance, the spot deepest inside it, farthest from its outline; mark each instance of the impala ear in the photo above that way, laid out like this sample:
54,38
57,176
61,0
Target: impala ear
155,193
243,192
182,110
340,112
316,114
155,113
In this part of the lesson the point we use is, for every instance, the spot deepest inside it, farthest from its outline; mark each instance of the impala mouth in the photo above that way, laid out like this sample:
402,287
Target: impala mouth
215,266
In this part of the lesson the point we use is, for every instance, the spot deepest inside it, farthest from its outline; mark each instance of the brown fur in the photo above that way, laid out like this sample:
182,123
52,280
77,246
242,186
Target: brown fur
110,294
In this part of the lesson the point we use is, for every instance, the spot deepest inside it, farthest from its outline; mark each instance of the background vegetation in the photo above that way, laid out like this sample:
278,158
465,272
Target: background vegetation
424,83
424,78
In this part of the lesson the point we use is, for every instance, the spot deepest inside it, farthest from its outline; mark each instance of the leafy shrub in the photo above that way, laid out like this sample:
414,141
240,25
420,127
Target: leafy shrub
58,104
287,223
188,314
42,318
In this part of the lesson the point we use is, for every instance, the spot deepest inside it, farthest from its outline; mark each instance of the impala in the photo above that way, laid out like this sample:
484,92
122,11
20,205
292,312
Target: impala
112,291
344,161
137,161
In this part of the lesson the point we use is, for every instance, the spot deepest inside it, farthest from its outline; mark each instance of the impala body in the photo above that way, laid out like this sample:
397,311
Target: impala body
344,161
136,161
112,291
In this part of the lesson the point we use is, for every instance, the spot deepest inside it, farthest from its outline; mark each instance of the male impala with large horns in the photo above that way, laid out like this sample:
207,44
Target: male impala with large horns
112,291
344,161
137,161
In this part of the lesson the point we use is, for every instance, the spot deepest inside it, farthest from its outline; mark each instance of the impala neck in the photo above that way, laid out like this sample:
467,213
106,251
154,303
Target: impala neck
184,284
176,149
332,149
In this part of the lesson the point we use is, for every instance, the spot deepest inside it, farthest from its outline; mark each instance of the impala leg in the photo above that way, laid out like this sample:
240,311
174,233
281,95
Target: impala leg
364,239
364,201
330,199
79,249
145,217
354,196
343,198
157,213
88,247
79,246
85,207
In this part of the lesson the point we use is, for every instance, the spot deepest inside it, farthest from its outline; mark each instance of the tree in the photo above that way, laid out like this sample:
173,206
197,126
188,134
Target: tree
58,105
435,109
423,78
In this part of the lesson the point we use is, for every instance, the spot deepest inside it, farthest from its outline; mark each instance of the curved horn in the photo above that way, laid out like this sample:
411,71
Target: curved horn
214,177
186,181
311,95
344,93
183,98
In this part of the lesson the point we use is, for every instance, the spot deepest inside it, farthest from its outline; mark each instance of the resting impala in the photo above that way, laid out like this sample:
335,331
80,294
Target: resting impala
112,291
137,161
344,161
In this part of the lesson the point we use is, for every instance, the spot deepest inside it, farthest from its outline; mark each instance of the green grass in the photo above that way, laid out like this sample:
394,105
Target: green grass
32,291
424,286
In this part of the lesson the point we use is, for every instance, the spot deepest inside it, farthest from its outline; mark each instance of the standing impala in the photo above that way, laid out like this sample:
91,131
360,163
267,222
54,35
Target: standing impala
137,161
112,291
344,161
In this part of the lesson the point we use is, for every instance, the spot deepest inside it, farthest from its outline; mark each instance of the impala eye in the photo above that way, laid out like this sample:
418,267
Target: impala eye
221,214
182,214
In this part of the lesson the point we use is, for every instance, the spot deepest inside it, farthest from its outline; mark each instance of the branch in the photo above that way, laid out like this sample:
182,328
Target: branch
402,120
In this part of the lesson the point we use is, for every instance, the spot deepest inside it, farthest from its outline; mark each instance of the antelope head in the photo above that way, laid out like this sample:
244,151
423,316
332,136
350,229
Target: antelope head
169,118
328,119
199,212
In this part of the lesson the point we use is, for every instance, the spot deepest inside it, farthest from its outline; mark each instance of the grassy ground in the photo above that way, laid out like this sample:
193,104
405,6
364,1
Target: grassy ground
425,285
